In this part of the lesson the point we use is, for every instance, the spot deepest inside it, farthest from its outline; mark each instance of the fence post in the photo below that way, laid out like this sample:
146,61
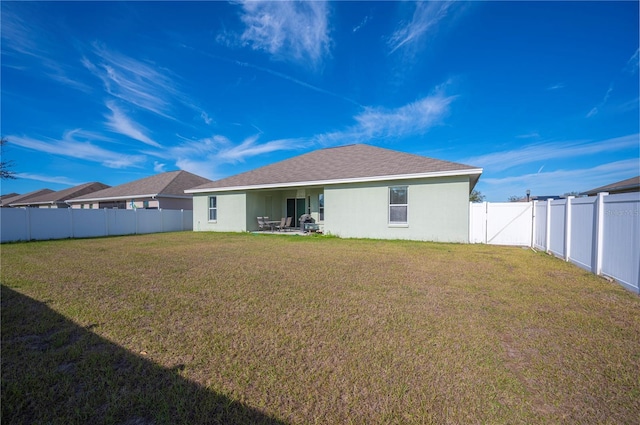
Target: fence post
567,229
70,222
28,214
182,220
599,236
547,235
106,223
533,223
485,222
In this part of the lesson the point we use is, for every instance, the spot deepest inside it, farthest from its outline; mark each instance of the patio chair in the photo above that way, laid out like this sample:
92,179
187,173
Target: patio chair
287,224
262,225
280,226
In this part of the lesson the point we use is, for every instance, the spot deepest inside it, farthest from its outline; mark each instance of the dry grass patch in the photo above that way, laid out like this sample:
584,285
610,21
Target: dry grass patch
260,328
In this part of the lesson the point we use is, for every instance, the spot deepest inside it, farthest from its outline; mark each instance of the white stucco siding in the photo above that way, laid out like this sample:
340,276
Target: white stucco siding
231,213
438,210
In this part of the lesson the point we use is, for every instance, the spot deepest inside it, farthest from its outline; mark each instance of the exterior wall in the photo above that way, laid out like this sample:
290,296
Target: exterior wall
438,210
87,205
173,203
231,214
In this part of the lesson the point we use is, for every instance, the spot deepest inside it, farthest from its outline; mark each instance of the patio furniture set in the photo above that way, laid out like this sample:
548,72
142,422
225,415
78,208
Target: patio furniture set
283,224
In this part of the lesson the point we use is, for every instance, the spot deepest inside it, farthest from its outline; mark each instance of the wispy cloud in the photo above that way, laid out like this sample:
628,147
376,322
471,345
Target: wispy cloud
425,20
411,119
159,167
48,179
118,122
597,108
500,161
75,144
26,39
139,83
633,63
361,24
296,31
203,156
297,81
556,86
558,182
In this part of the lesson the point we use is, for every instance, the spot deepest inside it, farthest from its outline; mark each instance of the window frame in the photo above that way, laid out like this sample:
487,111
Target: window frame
404,205
321,206
213,209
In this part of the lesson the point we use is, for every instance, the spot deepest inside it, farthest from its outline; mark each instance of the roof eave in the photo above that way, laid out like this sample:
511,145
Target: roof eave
467,172
126,198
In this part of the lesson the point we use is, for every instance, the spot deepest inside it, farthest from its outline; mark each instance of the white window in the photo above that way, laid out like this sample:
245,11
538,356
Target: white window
398,205
321,206
213,208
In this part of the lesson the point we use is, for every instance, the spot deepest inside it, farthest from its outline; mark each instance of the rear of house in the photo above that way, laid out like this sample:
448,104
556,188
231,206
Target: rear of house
355,191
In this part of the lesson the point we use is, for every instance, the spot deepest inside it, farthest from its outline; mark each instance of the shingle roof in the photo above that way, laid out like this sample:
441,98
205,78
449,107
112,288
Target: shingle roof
9,195
627,185
63,195
172,183
19,198
343,163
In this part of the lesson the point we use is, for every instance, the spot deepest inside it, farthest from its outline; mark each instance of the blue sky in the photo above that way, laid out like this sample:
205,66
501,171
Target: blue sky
541,95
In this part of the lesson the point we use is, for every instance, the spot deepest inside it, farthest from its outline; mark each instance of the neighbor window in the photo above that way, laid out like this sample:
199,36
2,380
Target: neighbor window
321,206
213,208
398,205
145,204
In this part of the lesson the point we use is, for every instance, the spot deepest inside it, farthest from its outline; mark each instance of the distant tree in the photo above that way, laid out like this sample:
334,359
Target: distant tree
574,193
515,198
476,196
5,166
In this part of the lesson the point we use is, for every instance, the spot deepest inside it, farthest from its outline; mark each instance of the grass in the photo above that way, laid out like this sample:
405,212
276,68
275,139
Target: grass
239,328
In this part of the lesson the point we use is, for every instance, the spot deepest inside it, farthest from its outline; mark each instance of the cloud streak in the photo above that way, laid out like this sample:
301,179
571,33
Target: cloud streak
70,146
118,122
136,82
549,183
412,119
296,31
202,156
426,17
22,39
499,161
48,179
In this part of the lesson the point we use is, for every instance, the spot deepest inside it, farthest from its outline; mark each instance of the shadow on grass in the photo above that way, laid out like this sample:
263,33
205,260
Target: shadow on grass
54,371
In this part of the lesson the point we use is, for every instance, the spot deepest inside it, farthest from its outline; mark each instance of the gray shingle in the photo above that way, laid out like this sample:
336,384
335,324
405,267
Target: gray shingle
340,163
169,183
63,195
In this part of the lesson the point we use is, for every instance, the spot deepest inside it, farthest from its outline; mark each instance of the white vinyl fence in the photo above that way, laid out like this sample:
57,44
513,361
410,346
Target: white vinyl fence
600,234
25,224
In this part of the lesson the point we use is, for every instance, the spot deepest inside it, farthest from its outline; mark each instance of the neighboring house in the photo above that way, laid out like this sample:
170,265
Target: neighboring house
624,186
58,199
165,191
7,201
355,191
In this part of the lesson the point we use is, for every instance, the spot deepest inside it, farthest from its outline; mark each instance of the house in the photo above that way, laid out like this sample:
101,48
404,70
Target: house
58,199
624,186
165,190
7,201
354,191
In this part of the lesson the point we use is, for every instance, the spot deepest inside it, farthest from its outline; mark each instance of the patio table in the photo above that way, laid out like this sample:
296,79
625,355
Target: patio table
272,224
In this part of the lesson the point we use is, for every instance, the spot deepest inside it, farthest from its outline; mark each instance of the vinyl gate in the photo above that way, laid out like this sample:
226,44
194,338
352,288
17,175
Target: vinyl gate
600,234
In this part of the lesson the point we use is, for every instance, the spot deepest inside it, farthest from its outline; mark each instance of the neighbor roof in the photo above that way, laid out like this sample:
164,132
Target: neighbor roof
169,185
19,198
352,163
63,195
628,185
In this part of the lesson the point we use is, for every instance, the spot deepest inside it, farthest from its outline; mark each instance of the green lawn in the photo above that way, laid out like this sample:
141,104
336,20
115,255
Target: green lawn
240,328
